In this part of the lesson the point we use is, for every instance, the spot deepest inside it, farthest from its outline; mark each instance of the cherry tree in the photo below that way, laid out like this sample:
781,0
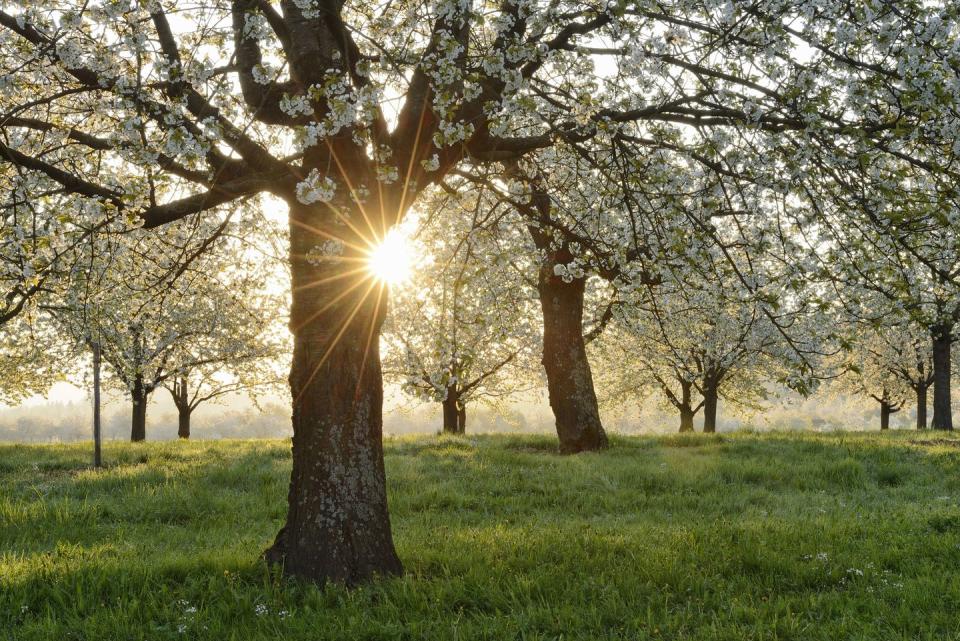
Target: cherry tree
887,363
167,308
694,342
346,112
463,329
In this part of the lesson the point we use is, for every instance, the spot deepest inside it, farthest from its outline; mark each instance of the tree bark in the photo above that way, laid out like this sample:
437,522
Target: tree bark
462,417
181,399
138,415
941,336
569,379
921,390
884,415
686,407
183,423
710,397
337,527
452,412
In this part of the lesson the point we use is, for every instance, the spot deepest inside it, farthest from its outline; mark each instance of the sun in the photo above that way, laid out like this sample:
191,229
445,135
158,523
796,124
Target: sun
391,261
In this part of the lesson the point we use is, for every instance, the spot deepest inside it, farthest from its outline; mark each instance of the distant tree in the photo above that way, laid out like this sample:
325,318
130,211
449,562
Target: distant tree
695,338
201,316
462,330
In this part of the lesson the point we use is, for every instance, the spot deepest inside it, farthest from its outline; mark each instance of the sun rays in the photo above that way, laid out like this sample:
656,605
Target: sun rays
391,261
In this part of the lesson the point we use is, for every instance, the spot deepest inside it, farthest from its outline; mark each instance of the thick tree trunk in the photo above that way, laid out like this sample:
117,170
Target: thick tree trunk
569,380
884,415
337,527
452,412
921,390
710,394
462,418
942,411
686,407
138,415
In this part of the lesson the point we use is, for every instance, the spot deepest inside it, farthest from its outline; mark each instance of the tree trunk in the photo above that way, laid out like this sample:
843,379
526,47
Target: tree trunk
884,415
138,415
181,399
569,380
921,390
686,407
337,527
710,394
942,411
462,418
183,422
451,412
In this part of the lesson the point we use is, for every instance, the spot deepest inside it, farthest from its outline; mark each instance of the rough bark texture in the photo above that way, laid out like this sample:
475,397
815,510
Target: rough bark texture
921,406
710,394
337,526
138,415
454,413
569,380
942,412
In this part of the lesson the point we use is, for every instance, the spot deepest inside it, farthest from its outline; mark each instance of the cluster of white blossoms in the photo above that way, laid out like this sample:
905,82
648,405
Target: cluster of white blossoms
316,188
330,249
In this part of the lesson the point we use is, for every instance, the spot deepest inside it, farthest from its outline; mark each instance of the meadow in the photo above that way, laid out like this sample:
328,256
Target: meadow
735,536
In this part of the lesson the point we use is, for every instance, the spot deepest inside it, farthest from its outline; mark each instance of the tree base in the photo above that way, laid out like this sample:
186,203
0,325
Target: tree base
594,442
277,556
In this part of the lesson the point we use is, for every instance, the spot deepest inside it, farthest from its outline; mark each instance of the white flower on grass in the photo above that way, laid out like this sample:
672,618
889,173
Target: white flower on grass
260,610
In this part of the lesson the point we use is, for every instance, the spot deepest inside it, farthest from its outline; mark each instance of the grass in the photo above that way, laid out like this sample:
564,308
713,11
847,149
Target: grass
745,536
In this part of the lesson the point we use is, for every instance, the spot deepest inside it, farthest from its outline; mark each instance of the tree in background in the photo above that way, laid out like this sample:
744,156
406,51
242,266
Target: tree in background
167,308
886,357
463,330
695,340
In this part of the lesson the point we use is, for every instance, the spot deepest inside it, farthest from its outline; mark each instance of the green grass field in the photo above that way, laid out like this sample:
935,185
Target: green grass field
745,536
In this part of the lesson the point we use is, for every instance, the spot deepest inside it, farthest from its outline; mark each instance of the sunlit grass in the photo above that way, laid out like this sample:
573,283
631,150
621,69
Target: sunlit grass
694,537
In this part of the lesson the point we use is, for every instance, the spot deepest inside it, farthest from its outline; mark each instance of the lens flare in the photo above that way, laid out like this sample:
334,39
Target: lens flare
391,261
